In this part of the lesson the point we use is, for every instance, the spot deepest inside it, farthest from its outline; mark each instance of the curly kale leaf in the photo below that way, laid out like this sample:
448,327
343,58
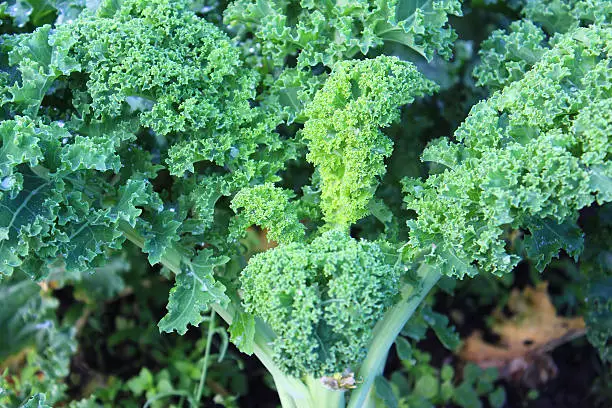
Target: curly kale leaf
184,80
39,61
325,32
179,74
52,219
321,299
56,203
507,56
139,83
343,130
270,208
162,52
532,155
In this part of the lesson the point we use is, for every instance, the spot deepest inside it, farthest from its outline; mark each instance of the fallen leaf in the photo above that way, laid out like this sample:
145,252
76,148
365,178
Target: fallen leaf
524,338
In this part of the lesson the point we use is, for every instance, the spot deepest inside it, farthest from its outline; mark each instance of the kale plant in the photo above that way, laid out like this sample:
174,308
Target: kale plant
179,127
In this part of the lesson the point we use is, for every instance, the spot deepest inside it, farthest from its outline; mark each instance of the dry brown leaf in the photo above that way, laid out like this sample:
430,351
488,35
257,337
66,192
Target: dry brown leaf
524,338
261,236
265,243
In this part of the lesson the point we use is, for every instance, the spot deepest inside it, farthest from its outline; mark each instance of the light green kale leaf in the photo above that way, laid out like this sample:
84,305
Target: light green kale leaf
343,132
565,15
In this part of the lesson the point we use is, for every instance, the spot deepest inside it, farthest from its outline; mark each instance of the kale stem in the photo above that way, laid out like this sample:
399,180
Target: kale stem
211,332
385,334
324,397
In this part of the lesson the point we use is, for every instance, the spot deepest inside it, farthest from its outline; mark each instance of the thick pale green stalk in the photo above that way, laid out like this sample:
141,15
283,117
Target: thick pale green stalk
385,334
318,395
323,396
